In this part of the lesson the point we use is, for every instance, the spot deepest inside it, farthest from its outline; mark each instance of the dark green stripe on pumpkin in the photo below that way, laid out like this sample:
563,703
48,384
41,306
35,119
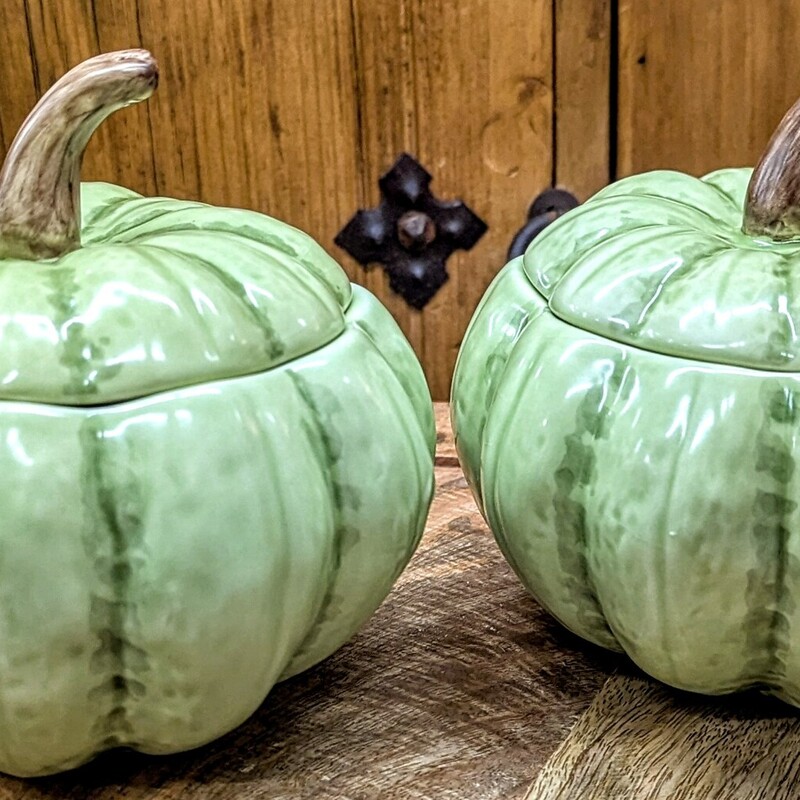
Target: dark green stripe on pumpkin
320,430
144,212
274,348
492,377
650,289
574,478
113,510
83,358
780,346
769,600
207,219
310,260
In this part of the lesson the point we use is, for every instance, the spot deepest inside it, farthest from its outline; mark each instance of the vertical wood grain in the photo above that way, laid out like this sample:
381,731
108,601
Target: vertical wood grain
582,81
465,87
702,85
383,64
484,111
18,70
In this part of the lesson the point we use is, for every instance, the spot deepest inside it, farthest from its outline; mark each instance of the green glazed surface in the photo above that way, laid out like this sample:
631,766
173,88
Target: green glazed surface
626,406
217,458
163,293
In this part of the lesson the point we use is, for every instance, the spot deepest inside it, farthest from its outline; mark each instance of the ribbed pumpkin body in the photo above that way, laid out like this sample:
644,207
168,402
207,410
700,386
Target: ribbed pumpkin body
216,459
627,406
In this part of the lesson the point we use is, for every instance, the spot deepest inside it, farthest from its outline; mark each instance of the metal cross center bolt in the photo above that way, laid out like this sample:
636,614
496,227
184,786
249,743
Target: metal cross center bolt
415,230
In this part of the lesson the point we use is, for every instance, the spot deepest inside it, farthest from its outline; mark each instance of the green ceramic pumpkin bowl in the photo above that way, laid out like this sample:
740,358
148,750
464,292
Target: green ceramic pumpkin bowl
216,453
626,407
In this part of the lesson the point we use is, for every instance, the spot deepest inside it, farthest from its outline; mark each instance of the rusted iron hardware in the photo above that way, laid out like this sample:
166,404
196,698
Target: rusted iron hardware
411,233
546,208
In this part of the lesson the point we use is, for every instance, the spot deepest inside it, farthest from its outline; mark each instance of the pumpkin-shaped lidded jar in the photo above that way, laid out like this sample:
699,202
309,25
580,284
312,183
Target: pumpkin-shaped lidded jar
626,406
216,453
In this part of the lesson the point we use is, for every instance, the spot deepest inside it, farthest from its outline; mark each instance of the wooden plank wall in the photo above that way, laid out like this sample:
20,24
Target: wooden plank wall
702,85
467,88
581,142
295,108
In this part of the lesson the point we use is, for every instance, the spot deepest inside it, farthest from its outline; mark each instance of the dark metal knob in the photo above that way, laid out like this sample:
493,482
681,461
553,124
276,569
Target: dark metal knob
411,233
415,230
546,208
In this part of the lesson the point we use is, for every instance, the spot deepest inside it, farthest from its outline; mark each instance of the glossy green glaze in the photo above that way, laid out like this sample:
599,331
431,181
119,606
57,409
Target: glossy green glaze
165,560
659,261
216,455
626,405
163,293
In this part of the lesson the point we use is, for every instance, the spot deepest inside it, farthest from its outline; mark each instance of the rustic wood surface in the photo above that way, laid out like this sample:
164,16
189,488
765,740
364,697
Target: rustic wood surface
295,108
643,741
461,687
703,84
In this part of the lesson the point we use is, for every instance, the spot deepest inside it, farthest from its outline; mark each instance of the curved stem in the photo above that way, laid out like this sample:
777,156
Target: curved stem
40,180
772,206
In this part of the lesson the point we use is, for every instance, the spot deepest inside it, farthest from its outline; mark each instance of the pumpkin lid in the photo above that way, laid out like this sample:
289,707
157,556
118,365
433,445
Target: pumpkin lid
162,293
142,294
660,261
707,268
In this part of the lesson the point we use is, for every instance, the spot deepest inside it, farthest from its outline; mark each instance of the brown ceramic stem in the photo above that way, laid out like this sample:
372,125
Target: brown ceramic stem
40,180
772,206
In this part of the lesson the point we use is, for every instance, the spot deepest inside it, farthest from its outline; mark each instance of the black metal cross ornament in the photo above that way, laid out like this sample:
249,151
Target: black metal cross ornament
411,233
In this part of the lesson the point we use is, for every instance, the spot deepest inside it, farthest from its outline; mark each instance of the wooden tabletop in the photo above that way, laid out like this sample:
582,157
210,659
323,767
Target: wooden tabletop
462,688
